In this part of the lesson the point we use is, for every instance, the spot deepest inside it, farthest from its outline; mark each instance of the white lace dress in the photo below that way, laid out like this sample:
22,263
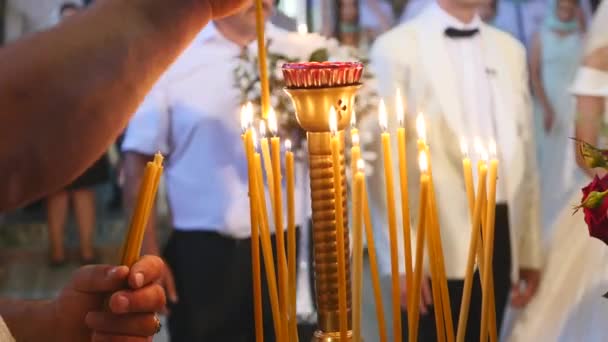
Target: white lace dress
569,304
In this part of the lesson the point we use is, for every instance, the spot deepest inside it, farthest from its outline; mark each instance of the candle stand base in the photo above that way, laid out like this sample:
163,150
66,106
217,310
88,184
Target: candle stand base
331,337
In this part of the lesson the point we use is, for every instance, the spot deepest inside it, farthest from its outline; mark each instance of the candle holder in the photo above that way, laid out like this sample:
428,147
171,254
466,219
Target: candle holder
314,88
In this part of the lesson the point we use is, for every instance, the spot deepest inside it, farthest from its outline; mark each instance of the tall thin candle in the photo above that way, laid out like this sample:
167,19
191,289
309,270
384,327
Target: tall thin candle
358,250
291,239
262,64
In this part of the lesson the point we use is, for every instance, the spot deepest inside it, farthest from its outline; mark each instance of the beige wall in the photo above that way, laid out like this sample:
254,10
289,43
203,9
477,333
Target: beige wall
26,16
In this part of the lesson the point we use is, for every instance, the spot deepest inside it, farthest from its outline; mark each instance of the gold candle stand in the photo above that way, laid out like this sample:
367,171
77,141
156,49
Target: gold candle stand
312,110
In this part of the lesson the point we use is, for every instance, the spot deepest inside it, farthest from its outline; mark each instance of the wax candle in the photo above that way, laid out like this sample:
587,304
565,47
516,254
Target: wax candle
489,243
468,282
373,266
275,145
405,203
355,153
255,233
260,204
413,305
262,64
340,229
358,249
392,219
131,250
468,176
291,239
267,161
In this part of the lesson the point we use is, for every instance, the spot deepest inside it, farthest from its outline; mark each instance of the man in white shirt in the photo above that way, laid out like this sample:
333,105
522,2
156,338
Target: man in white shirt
470,80
192,116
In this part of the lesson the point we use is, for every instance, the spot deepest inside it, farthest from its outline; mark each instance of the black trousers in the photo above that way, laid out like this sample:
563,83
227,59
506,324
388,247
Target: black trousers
502,285
214,285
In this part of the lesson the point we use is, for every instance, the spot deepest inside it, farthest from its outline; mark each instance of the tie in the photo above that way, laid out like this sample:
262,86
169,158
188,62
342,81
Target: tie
457,33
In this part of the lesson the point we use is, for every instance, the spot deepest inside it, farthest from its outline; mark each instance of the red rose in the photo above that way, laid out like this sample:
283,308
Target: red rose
596,208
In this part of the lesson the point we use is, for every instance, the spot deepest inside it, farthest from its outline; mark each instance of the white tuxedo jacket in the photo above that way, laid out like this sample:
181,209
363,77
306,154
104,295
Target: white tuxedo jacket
414,58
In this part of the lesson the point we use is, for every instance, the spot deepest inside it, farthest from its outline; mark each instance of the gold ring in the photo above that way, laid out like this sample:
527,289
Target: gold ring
159,325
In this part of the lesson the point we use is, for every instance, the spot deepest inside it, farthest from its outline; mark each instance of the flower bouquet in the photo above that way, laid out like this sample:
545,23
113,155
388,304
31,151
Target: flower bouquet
284,47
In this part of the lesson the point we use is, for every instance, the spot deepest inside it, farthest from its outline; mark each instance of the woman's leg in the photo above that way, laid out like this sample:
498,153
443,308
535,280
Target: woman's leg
57,210
84,210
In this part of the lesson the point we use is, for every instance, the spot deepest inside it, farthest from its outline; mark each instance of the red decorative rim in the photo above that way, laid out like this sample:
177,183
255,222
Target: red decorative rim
324,74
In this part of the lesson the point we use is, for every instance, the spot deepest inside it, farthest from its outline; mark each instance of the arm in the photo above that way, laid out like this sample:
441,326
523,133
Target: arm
70,90
537,83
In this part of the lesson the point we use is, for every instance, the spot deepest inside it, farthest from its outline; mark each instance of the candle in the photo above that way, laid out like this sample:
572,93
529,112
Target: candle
340,229
468,176
373,265
413,305
255,234
489,244
355,153
275,144
260,204
291,239
357,249
267,161
468,282
302,29
392,220
353,124
262,64
131,250
405,203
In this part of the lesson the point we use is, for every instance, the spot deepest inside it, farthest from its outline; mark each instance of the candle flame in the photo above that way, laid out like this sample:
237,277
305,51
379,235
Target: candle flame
254,138
382,116
400,108
288,145
355,139
421,127
302,28
272,122
464,147
492,148
249,114
483,154
353,119
262,128
244,119
333,120
478,145
423,162
361,165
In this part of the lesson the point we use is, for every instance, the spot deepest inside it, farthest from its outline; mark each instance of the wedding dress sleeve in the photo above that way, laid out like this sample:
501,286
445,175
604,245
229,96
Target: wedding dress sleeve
5,334
590,82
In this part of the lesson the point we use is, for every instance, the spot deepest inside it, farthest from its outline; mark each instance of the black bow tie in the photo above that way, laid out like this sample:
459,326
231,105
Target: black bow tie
457,33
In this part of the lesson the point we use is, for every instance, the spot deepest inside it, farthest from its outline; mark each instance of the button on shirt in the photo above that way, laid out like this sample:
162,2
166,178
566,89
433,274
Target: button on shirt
192,116
474,87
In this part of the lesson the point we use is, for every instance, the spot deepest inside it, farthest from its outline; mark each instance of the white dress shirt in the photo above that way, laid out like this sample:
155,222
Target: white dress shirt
192,116
474,86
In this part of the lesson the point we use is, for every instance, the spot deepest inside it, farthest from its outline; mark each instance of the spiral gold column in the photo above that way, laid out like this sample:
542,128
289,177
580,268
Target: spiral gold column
312,107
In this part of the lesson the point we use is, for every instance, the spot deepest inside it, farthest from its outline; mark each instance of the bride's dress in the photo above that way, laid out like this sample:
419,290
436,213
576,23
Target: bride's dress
569,304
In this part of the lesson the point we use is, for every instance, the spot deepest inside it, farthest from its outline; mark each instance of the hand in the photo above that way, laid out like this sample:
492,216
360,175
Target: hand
549,118
598,59
133,296
523,291
426,296
223,8
167,281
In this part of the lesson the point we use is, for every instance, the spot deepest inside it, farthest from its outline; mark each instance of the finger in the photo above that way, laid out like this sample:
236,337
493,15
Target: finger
149,299
427,293
142,325
423,309
170,287
147,270
99,278
100,337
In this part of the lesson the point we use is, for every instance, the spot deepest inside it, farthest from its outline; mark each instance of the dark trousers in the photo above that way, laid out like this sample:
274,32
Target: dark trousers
214,285
502,285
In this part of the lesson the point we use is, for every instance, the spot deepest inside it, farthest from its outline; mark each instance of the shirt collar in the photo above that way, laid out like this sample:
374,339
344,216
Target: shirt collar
446,20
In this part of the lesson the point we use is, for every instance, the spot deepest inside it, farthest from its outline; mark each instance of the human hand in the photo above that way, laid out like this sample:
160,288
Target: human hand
167,281
523,291
426,296
549,118
598,59
81,313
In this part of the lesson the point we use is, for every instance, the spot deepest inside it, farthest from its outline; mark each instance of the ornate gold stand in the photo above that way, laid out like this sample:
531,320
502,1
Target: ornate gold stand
312,108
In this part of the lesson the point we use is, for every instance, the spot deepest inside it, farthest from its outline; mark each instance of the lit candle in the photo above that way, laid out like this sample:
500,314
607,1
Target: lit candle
468,175
487,274
275,145
413,305
302,29
260,204
267,161
473,248
392,219
373,266
359,178
405,202
131,250
255,233
291,239
340,229
264,83
355,153
353,124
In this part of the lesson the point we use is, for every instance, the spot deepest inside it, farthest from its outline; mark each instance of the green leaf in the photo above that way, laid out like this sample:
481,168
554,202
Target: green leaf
319,55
